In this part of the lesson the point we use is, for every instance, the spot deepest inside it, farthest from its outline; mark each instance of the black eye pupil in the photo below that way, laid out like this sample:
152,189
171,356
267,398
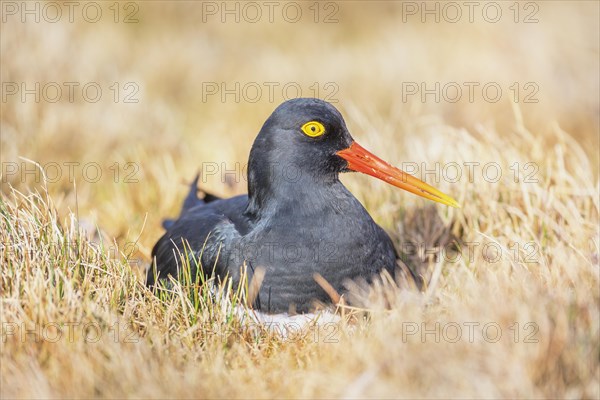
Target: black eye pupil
312,128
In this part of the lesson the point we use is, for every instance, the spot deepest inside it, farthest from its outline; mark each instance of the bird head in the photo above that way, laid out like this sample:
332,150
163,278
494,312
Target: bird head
309,137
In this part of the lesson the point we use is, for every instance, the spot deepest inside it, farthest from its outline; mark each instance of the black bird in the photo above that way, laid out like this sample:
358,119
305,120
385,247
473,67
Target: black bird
297,220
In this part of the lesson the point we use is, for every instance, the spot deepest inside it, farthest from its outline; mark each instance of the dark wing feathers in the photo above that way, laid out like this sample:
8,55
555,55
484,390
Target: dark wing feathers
193,240
204,229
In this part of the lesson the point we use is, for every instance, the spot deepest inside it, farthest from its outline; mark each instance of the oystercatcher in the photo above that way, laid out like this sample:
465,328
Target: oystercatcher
298,221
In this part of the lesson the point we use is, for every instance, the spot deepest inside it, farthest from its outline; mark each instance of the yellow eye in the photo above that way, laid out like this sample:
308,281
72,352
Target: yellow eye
313,129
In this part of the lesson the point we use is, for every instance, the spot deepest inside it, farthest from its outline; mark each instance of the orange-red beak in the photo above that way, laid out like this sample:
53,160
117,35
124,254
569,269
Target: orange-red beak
361,160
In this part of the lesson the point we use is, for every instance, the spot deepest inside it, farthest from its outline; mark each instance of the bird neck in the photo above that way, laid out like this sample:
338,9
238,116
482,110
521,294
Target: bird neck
287,190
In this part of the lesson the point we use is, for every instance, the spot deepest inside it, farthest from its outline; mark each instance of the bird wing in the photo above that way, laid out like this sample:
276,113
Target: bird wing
205,235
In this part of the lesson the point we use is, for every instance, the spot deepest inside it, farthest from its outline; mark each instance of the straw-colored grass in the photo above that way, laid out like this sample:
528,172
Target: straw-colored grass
510,302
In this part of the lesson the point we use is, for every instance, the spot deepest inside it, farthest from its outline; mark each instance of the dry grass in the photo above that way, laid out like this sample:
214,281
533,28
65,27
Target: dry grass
73,252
